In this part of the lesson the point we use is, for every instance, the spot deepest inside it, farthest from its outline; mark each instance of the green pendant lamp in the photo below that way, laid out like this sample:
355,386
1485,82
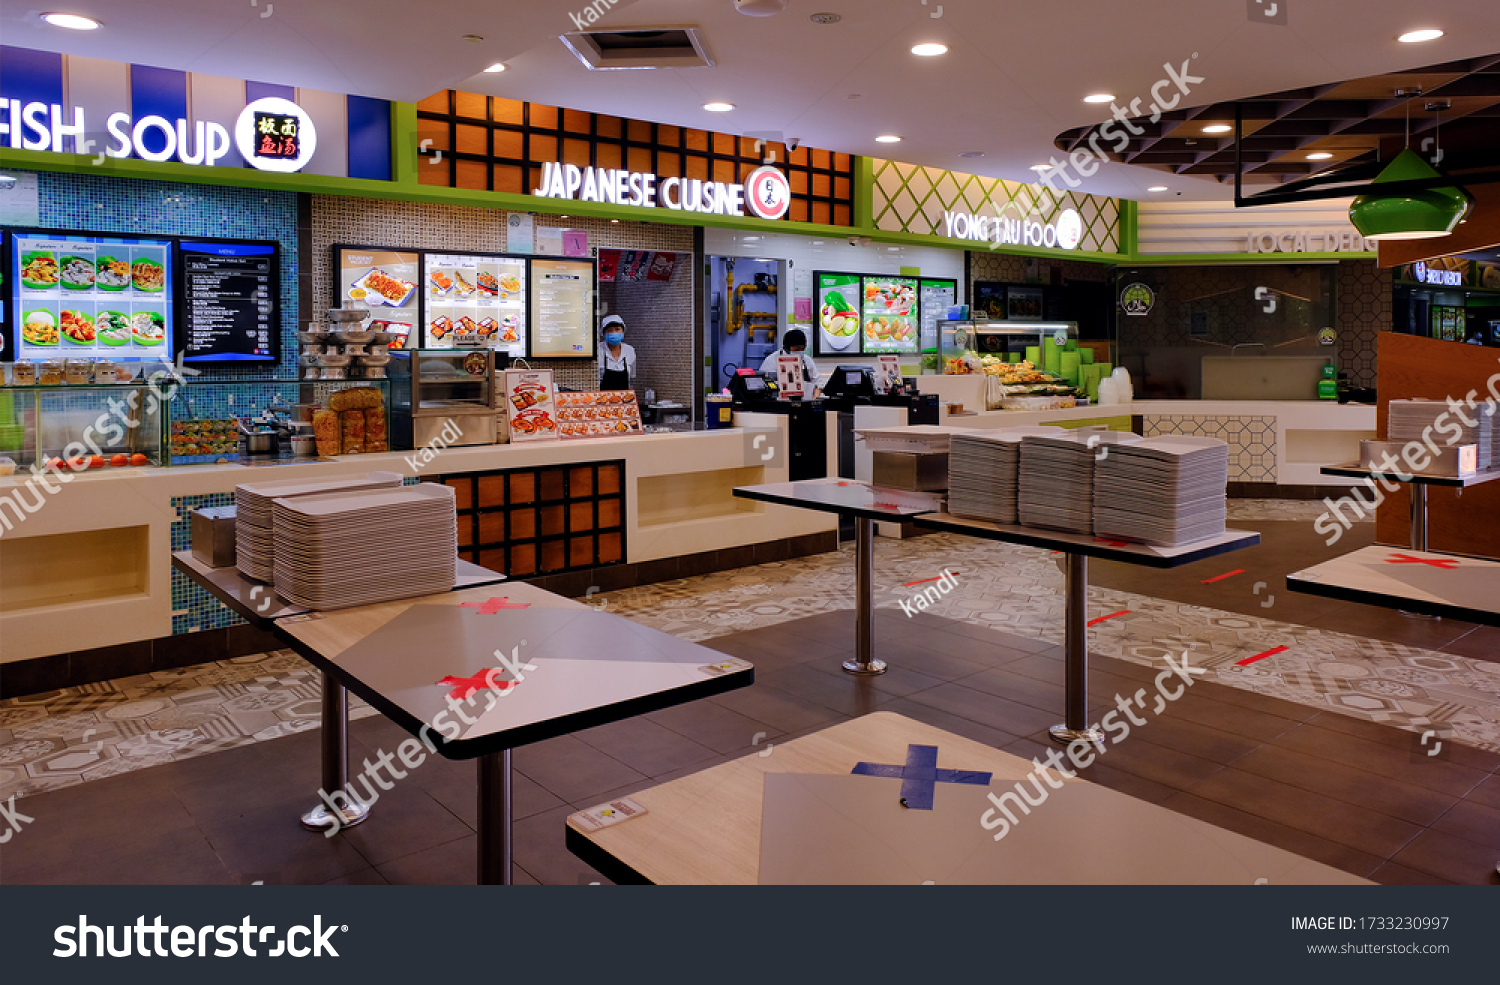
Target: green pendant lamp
1413,215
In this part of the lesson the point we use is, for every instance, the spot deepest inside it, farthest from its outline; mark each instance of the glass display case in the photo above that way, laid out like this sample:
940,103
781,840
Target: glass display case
96,426
1009,340
264,421
442,395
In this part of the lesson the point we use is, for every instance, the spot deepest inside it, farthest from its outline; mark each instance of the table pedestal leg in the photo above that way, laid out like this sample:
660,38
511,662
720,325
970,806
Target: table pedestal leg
1076,700
1418,533
864,661
336,764
495,800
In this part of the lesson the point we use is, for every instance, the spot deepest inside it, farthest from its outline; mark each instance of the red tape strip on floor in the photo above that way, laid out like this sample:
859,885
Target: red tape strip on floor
1112,615
1260,656
1227,574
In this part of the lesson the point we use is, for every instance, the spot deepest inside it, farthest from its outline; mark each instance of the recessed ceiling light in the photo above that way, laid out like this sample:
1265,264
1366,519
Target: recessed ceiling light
1041,167
497,67
1100,97
888,138
1321,155
1157,188
73,22
1218,128
826,18
614,220
1416,37
474,37
971,153
928,49
718,107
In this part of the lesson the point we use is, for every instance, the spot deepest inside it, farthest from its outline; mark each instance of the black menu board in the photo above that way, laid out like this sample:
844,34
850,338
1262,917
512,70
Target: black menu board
230,302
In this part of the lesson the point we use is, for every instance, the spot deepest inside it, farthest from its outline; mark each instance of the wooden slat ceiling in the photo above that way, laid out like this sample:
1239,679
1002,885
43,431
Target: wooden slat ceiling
1358,121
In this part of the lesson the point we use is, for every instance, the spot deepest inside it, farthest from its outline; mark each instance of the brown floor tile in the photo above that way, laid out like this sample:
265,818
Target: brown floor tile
714,726
180,857
540,850
986,709
455,863
845,694
410,820
1448,857
1453,752
1352,786
1481,643
1194,706
364,877
1473,822
572,769
1384,760
948,722
1170,767
271,841
780,711
1391,874
1096,772
645,746
1294,840
1487,793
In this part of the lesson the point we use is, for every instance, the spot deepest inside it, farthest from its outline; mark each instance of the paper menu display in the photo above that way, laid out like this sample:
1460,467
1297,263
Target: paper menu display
475,302
385,281
789,375
887,373
91,296
530,405
562,308
598,413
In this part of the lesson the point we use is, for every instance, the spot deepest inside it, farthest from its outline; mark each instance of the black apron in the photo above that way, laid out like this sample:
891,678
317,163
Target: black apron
614,379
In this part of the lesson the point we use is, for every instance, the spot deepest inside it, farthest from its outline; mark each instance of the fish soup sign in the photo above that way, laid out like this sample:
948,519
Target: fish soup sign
271,134
646,190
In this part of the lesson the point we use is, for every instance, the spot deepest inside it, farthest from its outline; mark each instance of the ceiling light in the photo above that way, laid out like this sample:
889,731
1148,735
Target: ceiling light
497,67
888,138
760,8
928,49
1100,97
1218,128
474,37
1041,167
1321,155
1157,188
971,153
1416,37
718,107
614,220
826,18
73,22
1414,215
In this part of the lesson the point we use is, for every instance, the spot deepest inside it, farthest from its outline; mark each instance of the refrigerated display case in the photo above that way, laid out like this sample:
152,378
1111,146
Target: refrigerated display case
96,426
444,396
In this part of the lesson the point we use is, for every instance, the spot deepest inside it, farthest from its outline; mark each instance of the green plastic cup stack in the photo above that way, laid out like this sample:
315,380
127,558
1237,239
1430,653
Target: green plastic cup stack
1052,357
1071,364
1088,356
1034,355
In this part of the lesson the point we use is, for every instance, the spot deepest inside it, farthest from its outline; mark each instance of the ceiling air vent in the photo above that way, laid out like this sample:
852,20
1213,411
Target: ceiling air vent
665,47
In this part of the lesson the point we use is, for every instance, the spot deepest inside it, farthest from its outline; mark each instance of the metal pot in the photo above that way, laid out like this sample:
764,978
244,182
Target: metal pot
259,442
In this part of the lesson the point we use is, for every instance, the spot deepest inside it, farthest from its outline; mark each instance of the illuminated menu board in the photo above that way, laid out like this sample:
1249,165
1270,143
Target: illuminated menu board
386,281
74,294
562,309
475,301
230,294
890,311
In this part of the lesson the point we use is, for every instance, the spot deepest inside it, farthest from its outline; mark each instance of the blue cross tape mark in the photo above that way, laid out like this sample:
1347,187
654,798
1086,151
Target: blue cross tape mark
920,776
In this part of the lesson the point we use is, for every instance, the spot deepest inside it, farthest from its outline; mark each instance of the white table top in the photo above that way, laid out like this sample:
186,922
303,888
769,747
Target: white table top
844,496
1090,545
1417,581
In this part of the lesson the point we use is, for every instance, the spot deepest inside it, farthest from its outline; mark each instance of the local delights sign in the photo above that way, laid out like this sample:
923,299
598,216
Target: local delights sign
772,194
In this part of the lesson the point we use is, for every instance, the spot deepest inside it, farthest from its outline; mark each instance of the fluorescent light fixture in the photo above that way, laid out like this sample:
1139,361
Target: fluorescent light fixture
73,22
1100,97
614,220
718,107
1157,188
1218,128
888,138
497,67
1321,155
1417,37
1041,167
929,49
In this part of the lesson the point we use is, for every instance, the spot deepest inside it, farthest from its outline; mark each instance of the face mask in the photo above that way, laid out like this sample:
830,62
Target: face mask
614,338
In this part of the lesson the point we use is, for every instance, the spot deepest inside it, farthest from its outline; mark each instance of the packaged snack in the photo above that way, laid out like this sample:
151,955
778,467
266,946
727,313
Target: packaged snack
326,431
353,427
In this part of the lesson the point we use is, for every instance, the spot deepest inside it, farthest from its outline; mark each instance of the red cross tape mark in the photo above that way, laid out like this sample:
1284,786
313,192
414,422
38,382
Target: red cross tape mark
1260,656
1112,615
1447,563
465,686
495,605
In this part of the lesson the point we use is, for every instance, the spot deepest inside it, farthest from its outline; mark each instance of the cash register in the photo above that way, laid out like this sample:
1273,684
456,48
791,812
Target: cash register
850,382
747,386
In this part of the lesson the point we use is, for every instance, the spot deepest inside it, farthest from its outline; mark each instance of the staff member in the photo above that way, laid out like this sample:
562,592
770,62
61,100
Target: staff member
794,343
616,358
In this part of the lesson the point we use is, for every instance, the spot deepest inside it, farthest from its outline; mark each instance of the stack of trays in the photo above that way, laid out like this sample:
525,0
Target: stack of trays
1168,490
1056,488
360,548
254,540
1410,418
982,472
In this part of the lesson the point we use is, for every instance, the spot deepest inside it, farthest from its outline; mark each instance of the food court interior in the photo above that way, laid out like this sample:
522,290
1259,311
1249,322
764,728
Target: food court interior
412,307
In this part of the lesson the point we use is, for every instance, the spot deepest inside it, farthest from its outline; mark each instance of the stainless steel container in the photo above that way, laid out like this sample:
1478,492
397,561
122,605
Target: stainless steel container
213,535
918,472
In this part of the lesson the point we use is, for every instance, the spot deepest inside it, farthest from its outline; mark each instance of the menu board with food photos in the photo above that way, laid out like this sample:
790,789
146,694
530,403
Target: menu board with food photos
475,301
530,404
384,280
75,294
890,314
598,413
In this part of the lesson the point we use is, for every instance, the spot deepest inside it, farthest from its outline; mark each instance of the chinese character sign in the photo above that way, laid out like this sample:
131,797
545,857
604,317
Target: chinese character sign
277,136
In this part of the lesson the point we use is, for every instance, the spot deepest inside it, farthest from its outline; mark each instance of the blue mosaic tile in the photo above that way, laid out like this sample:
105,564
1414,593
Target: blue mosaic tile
193,609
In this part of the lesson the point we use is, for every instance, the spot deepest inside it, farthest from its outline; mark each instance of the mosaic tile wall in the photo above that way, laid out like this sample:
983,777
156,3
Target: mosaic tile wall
1252,441
105,203
193,609
419,225
1364,312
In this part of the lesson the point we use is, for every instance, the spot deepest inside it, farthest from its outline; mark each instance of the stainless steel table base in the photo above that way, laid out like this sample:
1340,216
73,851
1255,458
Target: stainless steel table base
1076,702
1418,535
336,763
864,661
495,801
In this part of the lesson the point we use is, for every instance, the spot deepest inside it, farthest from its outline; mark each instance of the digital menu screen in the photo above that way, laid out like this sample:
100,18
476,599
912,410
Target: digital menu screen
937,296
837,299
74,294
230,302
475,301
384,280
562,309
890,311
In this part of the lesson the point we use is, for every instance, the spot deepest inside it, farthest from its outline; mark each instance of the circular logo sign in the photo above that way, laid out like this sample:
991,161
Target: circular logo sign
275,134
1069,230
767,193
1327,337
1137,299
1420,269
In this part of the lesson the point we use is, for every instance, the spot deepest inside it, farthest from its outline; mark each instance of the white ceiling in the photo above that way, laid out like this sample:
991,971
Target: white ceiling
1013,79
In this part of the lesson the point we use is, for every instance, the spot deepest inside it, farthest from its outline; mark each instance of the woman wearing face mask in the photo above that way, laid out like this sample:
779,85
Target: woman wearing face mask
794,343
616,359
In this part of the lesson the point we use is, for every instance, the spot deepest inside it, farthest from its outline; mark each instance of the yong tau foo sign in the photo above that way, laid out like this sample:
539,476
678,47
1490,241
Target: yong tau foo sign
271,134
1065,232
766,191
